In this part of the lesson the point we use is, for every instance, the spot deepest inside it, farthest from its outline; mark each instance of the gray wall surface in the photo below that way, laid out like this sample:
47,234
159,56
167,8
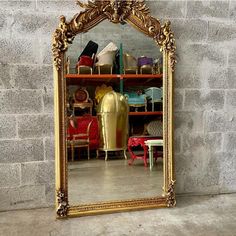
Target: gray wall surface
205,81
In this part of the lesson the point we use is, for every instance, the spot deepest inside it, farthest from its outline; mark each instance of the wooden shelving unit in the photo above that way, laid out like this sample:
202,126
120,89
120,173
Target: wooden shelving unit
127,79
146,113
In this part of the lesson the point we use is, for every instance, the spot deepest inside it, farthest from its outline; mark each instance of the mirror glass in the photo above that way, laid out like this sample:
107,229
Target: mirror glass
129,117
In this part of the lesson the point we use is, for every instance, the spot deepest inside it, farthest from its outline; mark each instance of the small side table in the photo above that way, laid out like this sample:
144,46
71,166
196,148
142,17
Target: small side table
153,143
135,141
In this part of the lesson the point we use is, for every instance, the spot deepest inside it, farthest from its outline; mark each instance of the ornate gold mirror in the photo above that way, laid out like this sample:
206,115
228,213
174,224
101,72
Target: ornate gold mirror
113,165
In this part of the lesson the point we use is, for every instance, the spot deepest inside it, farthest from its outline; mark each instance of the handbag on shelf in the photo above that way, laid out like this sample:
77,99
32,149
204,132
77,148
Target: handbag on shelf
90,49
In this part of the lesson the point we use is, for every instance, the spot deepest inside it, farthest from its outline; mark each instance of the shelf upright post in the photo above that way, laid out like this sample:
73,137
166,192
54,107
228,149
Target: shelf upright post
121,70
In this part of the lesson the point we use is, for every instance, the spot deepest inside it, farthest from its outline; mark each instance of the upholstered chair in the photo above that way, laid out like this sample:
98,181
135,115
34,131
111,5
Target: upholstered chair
85,135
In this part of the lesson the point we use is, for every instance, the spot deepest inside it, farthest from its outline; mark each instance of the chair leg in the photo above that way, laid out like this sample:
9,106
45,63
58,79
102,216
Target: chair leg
72,152
106,157
97,153
88,153
125,155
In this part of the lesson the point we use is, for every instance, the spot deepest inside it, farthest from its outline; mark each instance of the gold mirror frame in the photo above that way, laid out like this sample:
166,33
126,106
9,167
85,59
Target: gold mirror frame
137,14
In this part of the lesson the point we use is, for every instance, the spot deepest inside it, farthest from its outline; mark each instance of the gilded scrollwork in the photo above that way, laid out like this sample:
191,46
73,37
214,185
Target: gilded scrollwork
167,42
115,11
170,200
63,206
92,11
61,38
144,203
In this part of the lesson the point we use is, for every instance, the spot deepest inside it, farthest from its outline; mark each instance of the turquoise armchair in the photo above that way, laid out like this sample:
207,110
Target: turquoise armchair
136,100
154,95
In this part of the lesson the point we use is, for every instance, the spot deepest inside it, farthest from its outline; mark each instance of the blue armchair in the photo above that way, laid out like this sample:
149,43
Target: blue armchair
136,100
154,95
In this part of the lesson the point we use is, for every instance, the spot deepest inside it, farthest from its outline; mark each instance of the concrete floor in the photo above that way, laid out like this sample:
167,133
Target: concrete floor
94,180
196,215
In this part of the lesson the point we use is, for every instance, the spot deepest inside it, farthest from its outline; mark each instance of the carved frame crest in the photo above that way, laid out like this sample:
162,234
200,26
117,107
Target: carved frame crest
137,14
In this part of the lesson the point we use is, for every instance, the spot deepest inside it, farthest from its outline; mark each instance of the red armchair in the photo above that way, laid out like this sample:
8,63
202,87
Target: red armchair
86,134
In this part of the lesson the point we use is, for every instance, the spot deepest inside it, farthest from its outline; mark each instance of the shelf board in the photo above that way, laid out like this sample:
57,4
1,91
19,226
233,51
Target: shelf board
147,80
141,76
85,79
112,76
146,113
129,79
93,76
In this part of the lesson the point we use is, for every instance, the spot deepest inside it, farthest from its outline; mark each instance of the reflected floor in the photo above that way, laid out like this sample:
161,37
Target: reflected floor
96,180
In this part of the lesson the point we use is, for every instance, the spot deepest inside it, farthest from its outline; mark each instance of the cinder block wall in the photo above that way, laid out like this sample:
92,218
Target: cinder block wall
205,126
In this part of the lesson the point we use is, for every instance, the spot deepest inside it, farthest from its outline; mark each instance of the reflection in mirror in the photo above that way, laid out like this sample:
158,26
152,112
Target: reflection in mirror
114,135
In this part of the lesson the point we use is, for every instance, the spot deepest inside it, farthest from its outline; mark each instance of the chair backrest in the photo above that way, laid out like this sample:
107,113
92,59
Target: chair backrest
153,93
155,128
135,98
87,124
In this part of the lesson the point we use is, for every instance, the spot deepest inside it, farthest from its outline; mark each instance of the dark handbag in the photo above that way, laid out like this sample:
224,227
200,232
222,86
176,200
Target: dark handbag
90,49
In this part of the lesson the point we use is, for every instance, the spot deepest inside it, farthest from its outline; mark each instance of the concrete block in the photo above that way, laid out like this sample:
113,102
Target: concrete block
220,121
17,151
189,30
22,197
20,101
204,99
205,184
7,127
227,171
187,172
231,100
206,9
211,173
200,143
34,126
5,77
50,192
18,5
35,173
232,10
178,99
5,20
232,58
188,77
10,175
31,77
33,25
48,101
178,144
188,122
229,143
167,9
49,149
227,182
19,51
219,32
67,7
46,50
201,55
222,78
